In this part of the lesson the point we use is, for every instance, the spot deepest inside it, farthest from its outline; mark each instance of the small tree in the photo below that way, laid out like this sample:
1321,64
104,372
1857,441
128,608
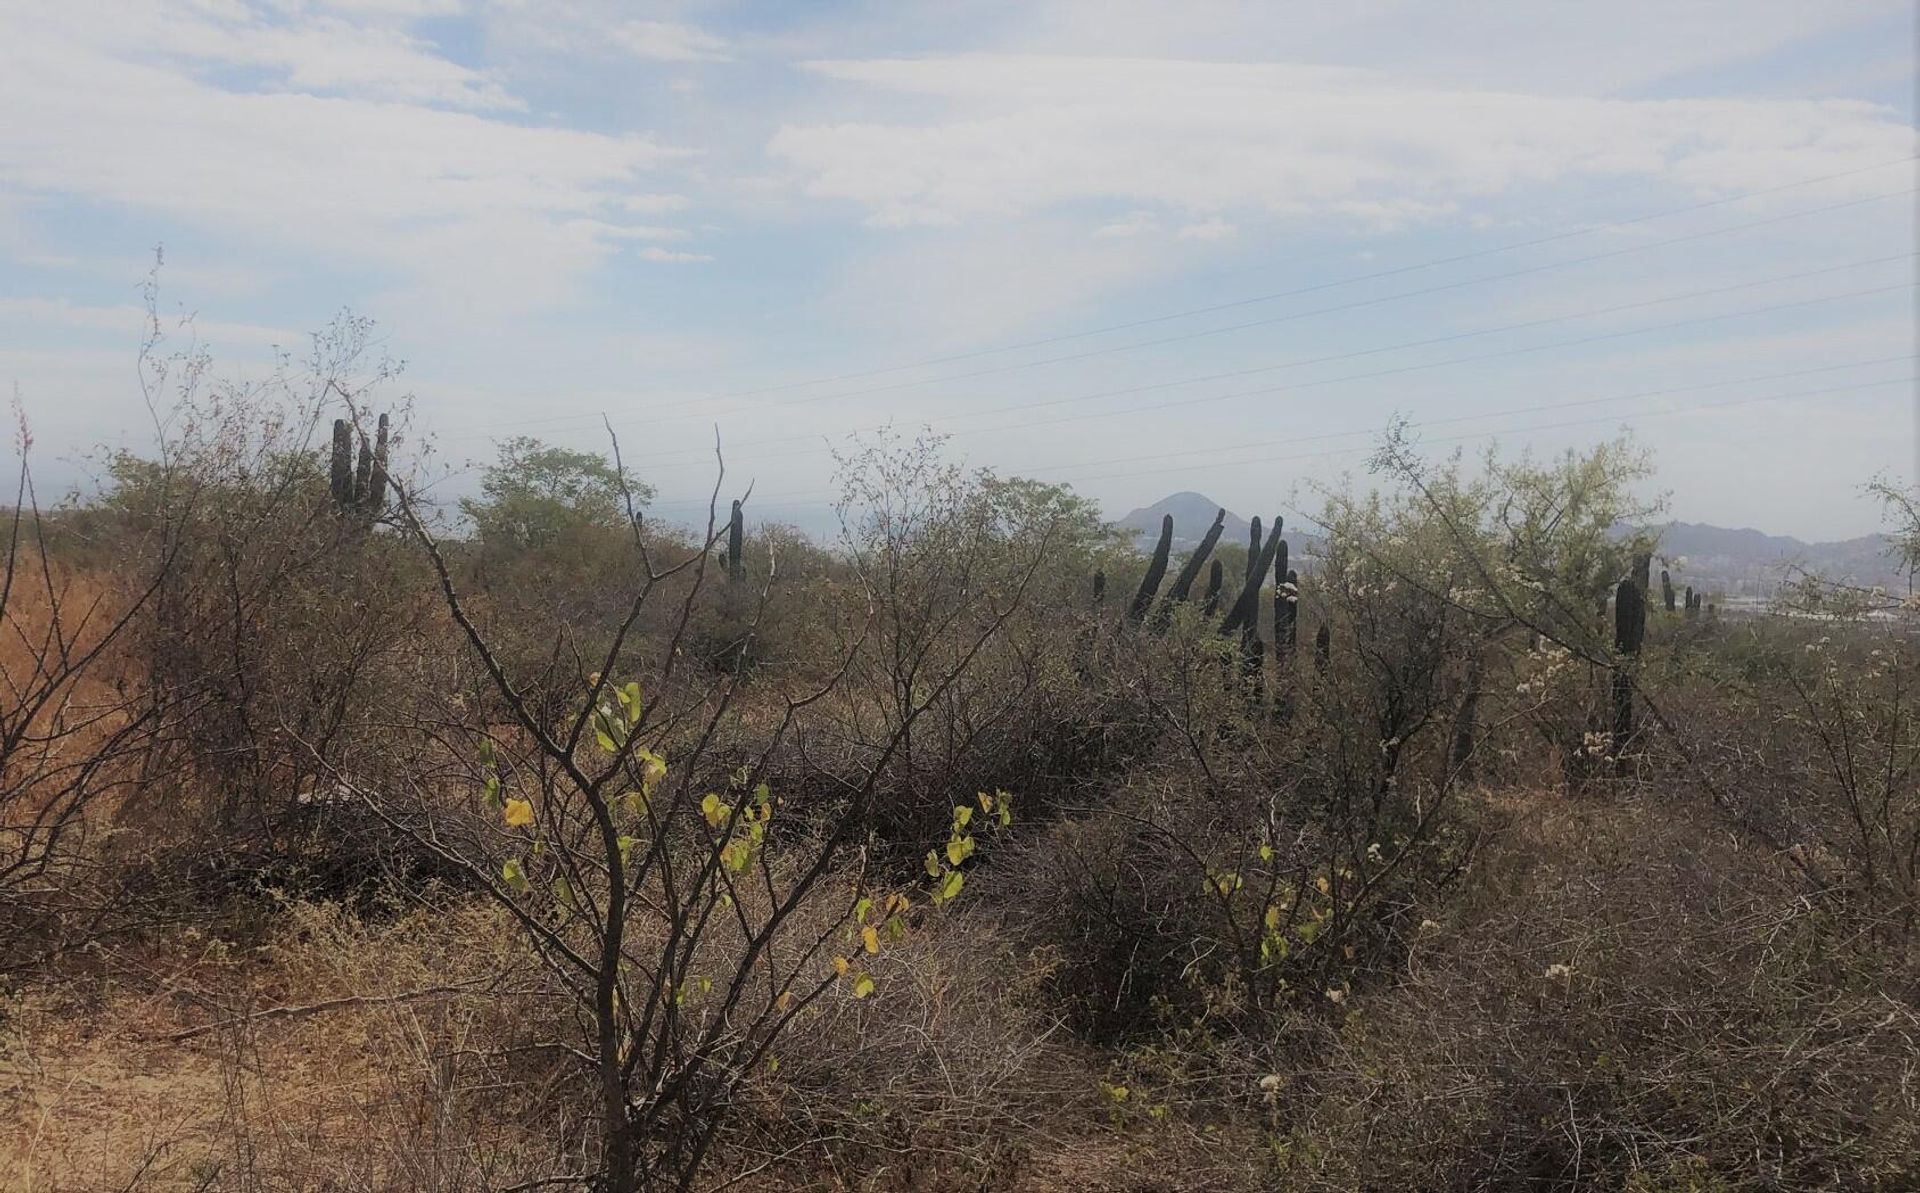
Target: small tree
687,910
536,496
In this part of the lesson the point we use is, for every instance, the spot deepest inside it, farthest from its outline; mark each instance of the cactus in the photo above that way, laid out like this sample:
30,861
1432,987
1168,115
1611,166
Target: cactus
1216,574
1156,572
1692,603
1642,574
341,472
1322,647
736,545
1629,633
1245,613
358,488
1099,587
1666,589
1253,544
1253,661
1286,610
1190,570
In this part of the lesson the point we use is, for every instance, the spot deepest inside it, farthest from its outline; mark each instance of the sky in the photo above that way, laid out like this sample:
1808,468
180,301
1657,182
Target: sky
1134,247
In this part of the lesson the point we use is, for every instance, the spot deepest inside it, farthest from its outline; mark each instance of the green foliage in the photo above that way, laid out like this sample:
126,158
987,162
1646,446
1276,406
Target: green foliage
535,497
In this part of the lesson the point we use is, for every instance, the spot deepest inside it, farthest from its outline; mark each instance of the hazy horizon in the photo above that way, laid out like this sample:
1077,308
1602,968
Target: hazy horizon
1122,246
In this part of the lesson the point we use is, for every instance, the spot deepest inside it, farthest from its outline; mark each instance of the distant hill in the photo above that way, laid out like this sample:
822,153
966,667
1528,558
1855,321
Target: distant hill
1743,561
1192,514
1750,562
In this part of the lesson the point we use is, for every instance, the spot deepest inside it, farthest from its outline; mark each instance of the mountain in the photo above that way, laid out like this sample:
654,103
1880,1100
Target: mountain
1748,562
1192,515
1725,561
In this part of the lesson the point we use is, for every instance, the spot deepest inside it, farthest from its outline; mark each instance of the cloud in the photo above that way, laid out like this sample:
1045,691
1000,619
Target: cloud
663,41
1134,223
670,256
1015,134
455,203
1213,229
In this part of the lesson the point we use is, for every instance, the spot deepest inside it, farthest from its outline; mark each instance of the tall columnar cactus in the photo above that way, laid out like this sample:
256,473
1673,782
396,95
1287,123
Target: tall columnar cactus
1099,588
1244,616
1692,606
1253,669
1629,633
1190,570
340,472
1666,589
736,545
358,488
1253,544
1286,613
1216,575
1156,572
1643,574
1322,647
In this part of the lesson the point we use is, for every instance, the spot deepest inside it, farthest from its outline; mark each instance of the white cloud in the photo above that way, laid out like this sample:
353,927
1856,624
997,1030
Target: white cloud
297,49
670,256
1017,134
1134,223
458,205
31,312
664,41
1213,229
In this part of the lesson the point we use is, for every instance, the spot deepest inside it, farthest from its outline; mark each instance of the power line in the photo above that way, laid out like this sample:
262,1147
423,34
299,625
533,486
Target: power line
778,501
1397,370
1434,263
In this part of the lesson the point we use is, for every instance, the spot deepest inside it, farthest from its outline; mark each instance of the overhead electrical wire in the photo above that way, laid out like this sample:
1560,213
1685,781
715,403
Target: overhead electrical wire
1433,263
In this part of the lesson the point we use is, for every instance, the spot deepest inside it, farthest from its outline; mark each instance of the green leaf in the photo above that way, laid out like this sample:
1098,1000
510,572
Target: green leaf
951,884
932,864
961,815
959,849
514,876
863,985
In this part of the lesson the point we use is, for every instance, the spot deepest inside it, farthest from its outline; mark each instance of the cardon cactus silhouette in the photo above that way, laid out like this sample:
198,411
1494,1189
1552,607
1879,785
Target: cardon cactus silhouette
1692,603
1322,647
358,488
1245,613
1666,589
1190,571
1253,544
1286,608
736,545
1629,633
1156,572
1099,588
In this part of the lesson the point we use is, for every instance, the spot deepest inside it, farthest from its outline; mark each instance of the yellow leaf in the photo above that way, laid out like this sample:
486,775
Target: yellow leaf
870,938
714,810
784,1002
841,965
519,813
862,986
